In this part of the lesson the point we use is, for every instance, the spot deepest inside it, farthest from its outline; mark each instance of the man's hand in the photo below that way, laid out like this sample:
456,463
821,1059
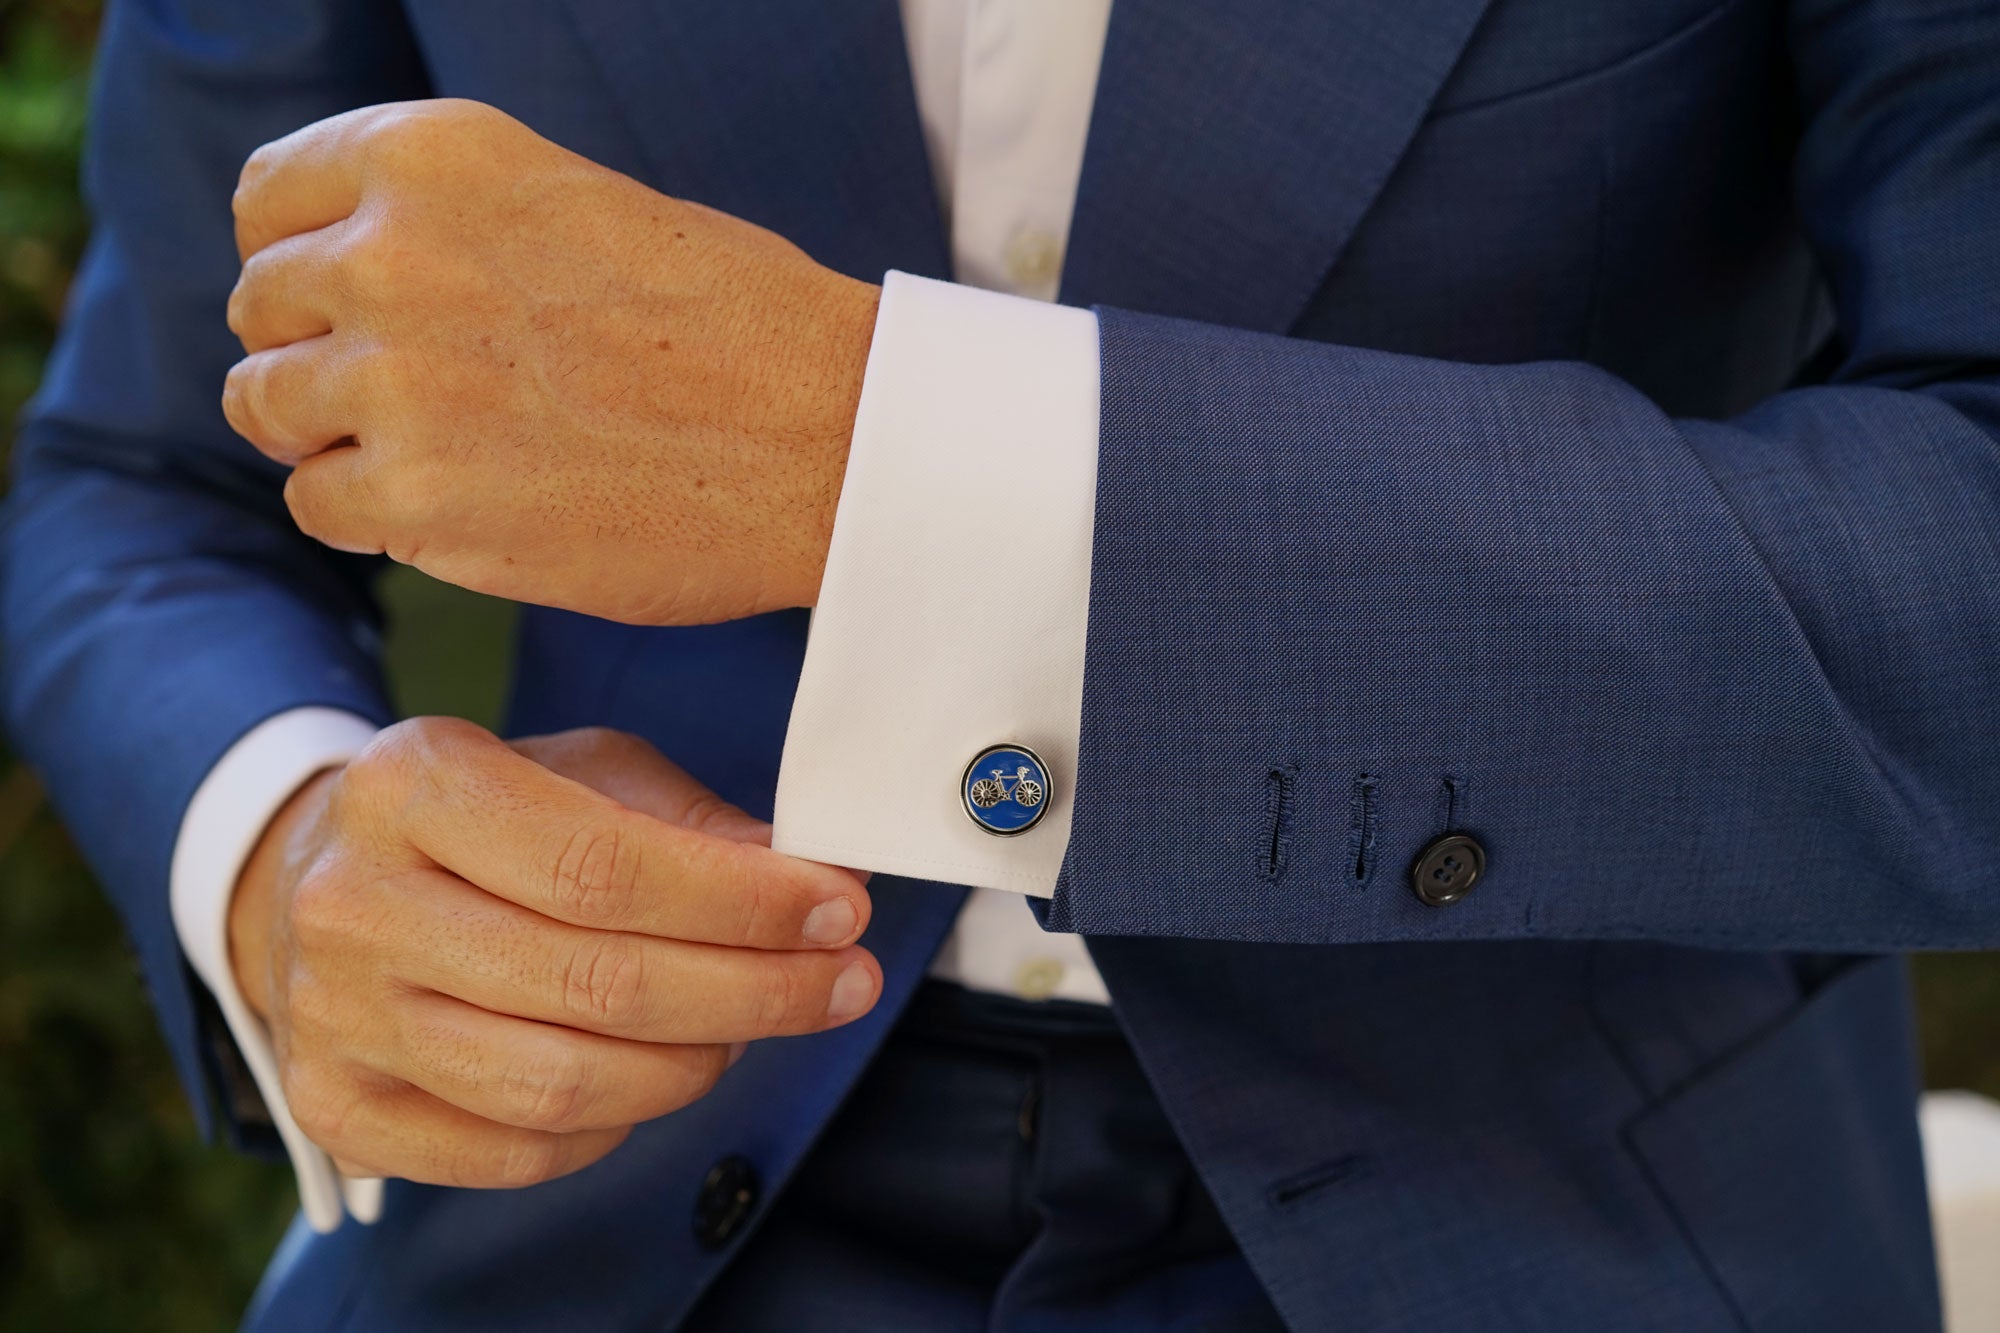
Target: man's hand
482,964
532,376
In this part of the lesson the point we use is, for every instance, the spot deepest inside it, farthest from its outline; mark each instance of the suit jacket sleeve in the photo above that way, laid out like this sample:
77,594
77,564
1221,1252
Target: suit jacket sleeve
158,602
1724,683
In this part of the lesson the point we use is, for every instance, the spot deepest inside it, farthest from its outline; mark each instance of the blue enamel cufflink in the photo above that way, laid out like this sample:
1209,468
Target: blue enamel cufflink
1006,789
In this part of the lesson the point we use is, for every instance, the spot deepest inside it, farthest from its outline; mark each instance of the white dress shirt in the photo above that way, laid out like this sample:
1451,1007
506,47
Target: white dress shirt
957,586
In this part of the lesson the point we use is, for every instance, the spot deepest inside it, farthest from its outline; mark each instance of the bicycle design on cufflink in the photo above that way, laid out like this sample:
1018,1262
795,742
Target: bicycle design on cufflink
989,792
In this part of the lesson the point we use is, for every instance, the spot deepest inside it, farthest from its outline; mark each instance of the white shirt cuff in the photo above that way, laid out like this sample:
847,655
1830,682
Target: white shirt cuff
225,818
957,590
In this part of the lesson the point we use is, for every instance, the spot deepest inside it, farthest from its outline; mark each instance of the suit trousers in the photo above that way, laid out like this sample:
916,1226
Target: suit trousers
1003,1165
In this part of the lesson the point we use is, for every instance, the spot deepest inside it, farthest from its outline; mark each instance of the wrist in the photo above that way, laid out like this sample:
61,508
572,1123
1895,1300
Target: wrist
253,902
848,332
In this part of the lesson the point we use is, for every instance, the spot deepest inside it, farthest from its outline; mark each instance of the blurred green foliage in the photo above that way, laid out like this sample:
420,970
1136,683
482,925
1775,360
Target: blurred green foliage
113,1215
44,69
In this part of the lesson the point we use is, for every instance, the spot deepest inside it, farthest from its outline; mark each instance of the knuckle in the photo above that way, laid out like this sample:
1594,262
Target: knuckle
412,139
547,1092
529,1159
396,128
246,397
319,1024
322,910
402,756
447,733
321,1106
428,744
233,409
377,762
255,168
605,983
370,260
451,109
706,810
784,1000
424,145
302,502
384,766
690,1082
759,911
236,313
459,117
256,272
704,1074
596,875
392,782
258,164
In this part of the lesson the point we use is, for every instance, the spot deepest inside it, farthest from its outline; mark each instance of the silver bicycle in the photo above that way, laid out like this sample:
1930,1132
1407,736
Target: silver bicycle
990,791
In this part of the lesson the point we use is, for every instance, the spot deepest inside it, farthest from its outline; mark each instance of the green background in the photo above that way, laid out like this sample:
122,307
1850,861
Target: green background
113,1215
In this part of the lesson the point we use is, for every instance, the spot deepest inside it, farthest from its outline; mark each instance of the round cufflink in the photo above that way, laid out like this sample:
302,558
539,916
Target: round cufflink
1006,789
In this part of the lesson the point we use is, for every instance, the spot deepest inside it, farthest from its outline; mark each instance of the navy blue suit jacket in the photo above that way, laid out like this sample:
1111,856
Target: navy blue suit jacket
1572,421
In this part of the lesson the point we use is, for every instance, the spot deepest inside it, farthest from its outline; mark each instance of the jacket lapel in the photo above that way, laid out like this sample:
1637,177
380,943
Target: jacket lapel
796,114
1235,145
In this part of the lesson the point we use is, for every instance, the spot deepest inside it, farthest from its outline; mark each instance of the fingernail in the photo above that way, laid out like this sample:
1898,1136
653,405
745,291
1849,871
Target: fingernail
853,991
831,922
736,1050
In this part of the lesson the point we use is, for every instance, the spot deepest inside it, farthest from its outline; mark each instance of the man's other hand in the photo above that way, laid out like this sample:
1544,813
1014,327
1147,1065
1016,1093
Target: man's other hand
532,376
482,964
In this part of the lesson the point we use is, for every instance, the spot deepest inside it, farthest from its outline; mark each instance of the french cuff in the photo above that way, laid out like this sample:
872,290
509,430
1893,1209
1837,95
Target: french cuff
224,820
957,590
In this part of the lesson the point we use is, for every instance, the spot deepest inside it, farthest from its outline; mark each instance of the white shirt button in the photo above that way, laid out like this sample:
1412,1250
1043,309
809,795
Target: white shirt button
1037,978
1034,259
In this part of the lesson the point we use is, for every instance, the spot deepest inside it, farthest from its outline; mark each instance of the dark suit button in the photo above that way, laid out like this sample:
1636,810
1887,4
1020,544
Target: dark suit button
1448,869
726,1200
